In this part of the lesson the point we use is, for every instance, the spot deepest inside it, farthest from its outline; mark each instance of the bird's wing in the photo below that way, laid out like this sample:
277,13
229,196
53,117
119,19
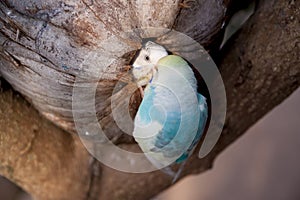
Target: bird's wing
157,120
202,106
159,106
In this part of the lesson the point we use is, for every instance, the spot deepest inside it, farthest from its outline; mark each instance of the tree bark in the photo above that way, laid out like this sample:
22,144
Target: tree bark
46,46
260,68
38,156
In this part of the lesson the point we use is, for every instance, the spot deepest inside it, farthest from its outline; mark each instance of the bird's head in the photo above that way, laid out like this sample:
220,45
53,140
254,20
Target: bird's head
145,63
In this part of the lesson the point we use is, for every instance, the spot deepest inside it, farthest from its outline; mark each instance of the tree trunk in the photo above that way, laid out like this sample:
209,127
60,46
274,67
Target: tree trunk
44,44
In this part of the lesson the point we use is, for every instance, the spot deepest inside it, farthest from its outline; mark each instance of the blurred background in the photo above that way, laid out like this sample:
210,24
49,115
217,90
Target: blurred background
263,164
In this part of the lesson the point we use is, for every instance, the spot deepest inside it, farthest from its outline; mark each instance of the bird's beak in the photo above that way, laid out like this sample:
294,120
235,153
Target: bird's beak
136,67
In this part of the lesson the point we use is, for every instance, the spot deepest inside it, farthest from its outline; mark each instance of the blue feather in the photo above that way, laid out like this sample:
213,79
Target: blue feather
159,117
201,126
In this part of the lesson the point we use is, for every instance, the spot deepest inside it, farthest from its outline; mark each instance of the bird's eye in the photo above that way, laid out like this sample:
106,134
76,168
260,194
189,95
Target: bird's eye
147,58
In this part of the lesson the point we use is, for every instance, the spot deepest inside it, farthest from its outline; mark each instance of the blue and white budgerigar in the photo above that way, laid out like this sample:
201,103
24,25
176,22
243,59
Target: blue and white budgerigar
172,115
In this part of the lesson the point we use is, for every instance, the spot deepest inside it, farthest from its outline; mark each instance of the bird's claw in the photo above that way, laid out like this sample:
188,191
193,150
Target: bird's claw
184,4
141,91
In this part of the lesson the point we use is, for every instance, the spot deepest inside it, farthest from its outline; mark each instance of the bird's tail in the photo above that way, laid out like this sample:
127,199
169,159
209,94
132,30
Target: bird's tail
171,173
179,171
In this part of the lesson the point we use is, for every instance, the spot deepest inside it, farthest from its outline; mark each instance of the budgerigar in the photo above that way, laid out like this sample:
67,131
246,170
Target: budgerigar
172,115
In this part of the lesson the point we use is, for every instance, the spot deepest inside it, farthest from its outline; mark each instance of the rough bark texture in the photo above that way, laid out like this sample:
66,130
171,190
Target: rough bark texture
260,69
38,156
46,45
